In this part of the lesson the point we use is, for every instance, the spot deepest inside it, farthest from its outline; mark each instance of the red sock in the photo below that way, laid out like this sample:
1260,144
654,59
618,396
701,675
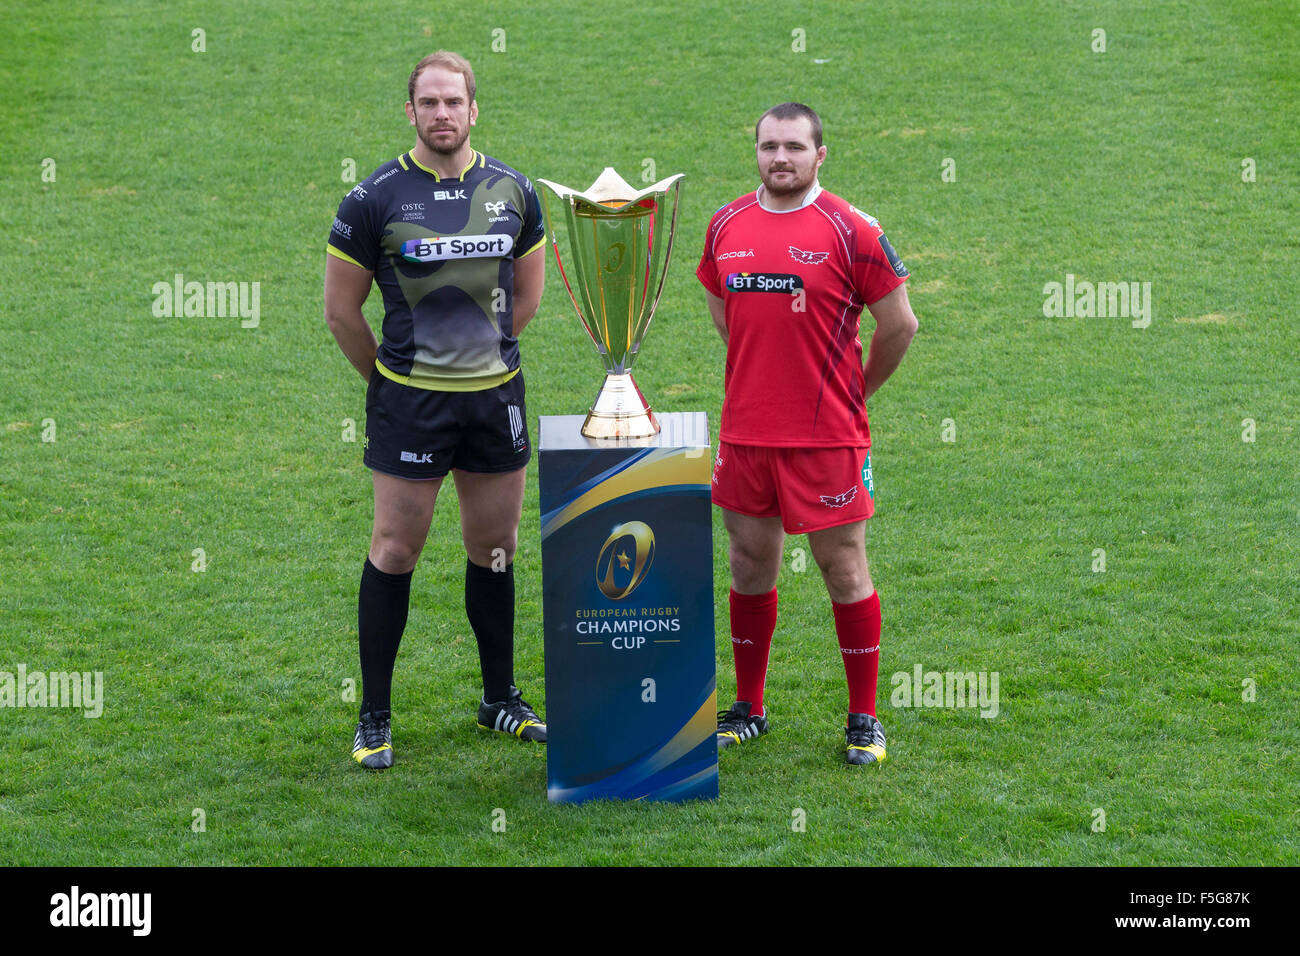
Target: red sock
753,621
857,626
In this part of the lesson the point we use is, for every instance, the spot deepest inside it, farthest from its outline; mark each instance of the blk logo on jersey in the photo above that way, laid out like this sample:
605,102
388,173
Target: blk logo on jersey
764,282
809,258
438,248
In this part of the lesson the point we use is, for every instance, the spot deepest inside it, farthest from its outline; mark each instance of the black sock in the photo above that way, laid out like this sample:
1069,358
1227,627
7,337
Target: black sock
490,607
381,618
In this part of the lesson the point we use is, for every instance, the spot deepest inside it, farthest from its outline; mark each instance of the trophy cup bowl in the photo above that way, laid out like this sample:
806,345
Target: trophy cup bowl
620,240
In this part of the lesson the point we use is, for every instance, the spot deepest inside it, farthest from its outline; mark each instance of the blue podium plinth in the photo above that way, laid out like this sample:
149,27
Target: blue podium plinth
627,592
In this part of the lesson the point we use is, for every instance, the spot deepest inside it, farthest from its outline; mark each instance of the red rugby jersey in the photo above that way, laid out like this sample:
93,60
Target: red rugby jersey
794,284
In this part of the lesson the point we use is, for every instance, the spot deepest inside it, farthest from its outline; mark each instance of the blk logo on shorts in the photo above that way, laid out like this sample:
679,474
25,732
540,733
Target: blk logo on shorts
418,458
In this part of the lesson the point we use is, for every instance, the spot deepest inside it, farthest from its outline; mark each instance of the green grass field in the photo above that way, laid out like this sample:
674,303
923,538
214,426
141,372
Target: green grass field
1161,691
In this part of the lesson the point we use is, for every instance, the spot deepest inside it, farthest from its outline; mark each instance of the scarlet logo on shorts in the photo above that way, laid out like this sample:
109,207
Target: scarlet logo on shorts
840,500
439,248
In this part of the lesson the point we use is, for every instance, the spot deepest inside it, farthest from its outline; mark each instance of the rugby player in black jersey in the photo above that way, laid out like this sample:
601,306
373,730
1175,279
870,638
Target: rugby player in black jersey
454,241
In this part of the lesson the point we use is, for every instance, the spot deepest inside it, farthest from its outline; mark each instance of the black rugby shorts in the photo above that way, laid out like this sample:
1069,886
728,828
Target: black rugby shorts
421,434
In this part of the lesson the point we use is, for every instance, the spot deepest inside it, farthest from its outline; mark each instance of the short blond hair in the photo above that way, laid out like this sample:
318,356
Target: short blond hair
448,61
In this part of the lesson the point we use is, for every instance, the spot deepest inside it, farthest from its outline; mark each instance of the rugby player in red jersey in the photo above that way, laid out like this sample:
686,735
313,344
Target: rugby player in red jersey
788,269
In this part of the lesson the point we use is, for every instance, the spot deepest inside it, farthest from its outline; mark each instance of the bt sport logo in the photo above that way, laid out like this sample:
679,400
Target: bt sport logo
438,248
764,282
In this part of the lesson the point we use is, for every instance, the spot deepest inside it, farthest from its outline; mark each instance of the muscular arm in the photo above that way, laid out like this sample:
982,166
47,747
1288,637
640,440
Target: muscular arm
718,310
895,326
346,289
530,277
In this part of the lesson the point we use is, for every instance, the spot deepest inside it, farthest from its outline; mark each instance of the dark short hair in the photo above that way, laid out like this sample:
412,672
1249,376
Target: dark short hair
787,111
448,61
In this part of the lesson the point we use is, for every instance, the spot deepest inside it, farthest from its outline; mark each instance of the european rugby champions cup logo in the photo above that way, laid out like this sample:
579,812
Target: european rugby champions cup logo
619,242
625,559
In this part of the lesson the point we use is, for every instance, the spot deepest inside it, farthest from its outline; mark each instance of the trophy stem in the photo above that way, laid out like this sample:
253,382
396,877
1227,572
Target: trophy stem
620,411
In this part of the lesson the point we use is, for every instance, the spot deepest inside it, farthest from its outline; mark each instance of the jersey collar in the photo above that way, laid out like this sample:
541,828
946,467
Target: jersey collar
808,200
476,158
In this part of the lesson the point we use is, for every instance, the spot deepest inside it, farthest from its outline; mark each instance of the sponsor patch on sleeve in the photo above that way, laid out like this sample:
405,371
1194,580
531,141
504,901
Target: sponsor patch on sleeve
871,219
900,270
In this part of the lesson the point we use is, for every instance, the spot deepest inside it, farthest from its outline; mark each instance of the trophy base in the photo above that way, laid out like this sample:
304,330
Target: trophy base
620,411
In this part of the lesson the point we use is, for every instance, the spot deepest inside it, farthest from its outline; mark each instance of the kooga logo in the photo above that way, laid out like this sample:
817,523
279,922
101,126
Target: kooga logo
75,909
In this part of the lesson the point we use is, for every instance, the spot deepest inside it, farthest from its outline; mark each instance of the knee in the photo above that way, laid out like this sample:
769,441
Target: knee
508,542
495,550
753,570
743,557
846,580
392,554
829,564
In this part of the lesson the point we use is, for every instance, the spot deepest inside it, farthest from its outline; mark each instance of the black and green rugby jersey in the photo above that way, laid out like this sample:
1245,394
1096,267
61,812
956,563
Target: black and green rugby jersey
443,252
